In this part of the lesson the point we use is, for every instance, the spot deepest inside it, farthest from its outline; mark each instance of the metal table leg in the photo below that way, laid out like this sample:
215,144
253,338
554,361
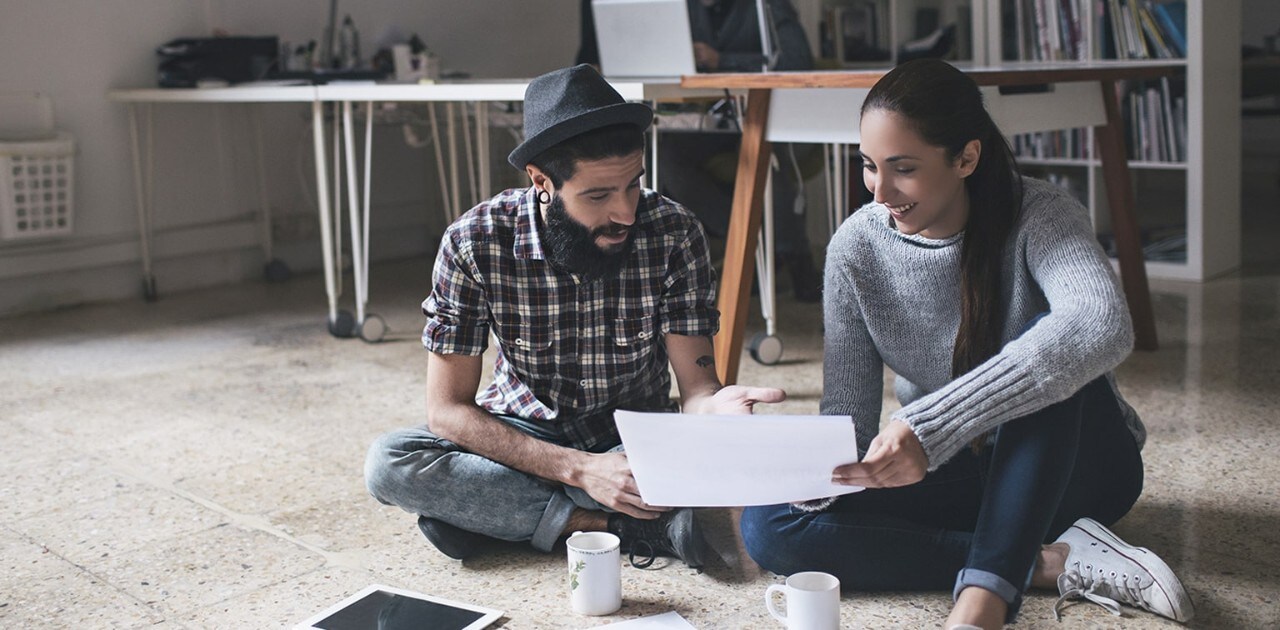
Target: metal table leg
143,185
340,323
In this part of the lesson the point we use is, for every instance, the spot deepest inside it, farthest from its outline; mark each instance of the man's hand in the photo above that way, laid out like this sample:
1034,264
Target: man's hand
694,362
705,56
735,399
607,478
895,458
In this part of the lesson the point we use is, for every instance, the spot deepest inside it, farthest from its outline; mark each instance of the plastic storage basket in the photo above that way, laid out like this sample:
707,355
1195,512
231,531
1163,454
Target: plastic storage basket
36,182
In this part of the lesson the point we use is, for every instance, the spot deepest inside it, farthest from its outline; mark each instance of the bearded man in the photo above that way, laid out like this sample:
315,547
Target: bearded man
591,286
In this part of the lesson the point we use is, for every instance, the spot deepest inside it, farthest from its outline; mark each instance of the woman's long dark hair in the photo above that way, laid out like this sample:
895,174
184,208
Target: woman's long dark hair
945,107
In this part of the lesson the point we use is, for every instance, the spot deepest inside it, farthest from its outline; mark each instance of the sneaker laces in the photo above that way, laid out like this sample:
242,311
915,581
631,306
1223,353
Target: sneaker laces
1101,589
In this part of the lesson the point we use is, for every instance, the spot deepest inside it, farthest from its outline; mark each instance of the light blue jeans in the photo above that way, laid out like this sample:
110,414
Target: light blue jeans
422,473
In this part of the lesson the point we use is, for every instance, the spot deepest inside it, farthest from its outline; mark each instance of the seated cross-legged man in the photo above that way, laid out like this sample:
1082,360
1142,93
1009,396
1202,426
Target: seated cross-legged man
591,286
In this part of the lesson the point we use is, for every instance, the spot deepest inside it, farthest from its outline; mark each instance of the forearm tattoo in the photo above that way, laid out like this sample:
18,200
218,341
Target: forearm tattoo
705,361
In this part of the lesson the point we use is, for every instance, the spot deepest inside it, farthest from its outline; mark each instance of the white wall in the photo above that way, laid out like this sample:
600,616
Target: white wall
206,195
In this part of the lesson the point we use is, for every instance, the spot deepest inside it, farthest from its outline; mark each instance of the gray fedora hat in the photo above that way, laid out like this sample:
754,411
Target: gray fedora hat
571,101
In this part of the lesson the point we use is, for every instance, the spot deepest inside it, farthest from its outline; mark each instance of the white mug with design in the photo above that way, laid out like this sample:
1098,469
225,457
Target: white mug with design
812,601
595,573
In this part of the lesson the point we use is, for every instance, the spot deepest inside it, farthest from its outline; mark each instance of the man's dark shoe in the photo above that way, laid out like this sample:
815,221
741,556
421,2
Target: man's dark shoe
675,534
454,542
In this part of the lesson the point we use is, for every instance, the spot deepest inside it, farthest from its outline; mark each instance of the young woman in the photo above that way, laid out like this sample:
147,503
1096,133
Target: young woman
990,299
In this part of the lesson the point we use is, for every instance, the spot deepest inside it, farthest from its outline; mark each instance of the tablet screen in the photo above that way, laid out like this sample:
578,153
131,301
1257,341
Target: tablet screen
384,610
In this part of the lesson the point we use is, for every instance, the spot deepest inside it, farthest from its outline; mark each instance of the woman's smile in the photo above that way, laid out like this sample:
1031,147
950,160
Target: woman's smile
900,211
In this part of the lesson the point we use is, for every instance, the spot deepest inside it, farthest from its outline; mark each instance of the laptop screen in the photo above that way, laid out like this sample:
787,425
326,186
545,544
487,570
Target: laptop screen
643,38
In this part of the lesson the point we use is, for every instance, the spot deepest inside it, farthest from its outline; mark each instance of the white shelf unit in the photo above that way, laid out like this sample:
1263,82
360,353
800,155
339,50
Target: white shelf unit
1199,195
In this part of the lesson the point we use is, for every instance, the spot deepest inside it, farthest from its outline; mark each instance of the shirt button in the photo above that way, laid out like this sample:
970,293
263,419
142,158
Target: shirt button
583,382
520,342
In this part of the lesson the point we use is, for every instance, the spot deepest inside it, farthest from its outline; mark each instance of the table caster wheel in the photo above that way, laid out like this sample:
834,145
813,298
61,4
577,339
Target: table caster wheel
276,271
765,349
343,326
373,329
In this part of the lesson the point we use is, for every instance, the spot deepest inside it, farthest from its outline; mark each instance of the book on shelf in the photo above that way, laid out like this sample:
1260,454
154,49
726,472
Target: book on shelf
1177,153
1119,37
1144,29
1137,43
1158,151
1068,13
1104,46
1155,117
1065,144
1153,34
1172,20
1045,30
1180,126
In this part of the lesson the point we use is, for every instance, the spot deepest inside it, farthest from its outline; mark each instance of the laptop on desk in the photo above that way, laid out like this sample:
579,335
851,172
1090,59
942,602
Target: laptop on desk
644,39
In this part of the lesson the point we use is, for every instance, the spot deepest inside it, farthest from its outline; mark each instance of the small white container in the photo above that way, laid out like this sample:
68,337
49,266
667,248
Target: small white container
36,188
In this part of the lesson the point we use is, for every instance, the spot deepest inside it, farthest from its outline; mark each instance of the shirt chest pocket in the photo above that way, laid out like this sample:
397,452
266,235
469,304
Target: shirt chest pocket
529,349
634,336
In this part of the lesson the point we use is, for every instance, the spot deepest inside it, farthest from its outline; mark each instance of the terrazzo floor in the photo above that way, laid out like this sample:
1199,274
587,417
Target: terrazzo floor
196,463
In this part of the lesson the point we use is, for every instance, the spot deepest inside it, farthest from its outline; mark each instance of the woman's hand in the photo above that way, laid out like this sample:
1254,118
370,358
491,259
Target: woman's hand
895,458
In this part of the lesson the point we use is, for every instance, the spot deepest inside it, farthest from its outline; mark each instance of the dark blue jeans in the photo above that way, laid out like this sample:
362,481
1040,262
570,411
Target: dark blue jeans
979,519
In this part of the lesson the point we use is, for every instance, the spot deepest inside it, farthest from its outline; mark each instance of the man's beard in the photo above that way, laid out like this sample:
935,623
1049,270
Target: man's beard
571,246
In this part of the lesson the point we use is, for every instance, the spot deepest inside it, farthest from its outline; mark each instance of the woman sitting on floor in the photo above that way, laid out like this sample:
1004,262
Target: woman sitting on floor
989,297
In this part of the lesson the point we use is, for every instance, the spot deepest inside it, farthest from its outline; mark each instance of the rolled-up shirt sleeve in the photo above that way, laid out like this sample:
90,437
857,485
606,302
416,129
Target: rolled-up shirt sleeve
689,292
456,309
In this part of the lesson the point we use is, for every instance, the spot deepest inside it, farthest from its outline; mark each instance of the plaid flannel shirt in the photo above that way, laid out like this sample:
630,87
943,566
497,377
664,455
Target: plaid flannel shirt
570,352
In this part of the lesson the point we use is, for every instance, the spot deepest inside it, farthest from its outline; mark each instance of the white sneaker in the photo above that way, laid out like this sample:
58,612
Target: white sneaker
1105,570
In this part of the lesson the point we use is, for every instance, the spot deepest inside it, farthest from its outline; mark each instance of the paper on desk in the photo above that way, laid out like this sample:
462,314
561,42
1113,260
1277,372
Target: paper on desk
687,460
666,621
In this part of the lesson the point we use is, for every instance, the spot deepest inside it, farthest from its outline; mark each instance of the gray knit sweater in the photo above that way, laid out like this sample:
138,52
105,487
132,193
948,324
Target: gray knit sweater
894,300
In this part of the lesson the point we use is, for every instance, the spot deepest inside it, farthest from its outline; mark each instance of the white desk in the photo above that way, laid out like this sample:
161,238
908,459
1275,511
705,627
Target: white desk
344,97
140,136
1027,112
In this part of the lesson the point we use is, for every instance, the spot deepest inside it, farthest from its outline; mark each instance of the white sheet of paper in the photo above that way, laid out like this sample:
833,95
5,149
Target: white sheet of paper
687,460
665,621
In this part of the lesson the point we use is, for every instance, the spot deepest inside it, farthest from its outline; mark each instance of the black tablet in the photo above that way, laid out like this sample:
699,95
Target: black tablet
380,607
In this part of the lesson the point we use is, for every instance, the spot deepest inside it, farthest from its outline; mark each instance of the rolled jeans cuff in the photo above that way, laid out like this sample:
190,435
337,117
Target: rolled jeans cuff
553,521
991,582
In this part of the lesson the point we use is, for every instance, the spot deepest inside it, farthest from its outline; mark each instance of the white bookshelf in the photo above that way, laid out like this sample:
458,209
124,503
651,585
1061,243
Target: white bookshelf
1199,194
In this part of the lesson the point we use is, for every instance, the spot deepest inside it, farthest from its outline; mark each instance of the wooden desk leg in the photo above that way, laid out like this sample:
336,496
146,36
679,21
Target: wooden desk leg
1115,171
744,231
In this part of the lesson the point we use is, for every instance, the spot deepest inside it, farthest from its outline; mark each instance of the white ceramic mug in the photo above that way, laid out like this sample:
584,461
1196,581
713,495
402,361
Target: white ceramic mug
813,601
595,573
